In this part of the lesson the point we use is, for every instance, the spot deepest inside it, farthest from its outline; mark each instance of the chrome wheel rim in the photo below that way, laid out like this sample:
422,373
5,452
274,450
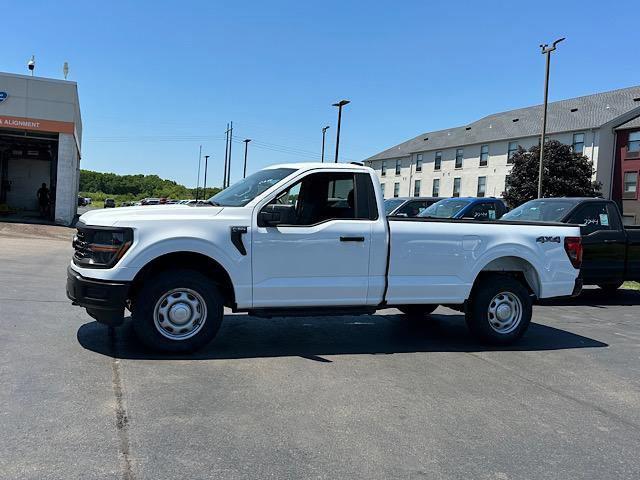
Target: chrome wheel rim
505,312
180,314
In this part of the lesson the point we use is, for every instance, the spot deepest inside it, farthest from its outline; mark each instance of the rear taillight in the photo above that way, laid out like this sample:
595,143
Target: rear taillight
573,247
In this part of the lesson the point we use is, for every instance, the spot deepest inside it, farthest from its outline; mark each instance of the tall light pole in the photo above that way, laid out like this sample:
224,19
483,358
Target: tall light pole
246,147
199,162
340,104
545,50
206,162
229,166
324,132
226,159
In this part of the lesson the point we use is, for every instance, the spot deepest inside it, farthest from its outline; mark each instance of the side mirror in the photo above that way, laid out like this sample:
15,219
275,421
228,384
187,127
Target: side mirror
276,214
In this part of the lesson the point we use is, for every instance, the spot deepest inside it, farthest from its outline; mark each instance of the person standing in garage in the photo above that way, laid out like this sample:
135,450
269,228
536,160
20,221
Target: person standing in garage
44,198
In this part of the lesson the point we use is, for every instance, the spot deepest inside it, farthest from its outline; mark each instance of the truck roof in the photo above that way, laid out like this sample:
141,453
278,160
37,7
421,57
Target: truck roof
316,165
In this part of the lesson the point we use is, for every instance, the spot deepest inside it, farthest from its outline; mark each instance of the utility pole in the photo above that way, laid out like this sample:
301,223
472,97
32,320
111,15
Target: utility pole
324,132
340,104
226,157
546,50
246,147
230,142
199,162
206,161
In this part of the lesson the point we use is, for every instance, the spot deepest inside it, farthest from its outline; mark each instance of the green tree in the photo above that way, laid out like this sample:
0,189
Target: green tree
565,174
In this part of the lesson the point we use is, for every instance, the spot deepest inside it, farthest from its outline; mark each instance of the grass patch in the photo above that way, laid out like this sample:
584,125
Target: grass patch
631,285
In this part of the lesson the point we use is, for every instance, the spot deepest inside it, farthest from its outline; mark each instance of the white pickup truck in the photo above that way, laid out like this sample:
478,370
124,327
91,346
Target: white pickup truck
310,239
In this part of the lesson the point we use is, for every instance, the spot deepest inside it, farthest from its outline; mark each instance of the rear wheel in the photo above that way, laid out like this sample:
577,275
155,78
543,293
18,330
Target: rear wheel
499,311
417,311
178,311
610,287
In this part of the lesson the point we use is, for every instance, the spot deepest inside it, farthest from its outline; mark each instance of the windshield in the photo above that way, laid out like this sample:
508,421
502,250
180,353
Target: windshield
447,208
391,204
541,211
242,192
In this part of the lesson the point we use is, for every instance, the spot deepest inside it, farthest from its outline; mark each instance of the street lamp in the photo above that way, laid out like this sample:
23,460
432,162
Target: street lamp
340,104
324,132
204,188
246,146
545,50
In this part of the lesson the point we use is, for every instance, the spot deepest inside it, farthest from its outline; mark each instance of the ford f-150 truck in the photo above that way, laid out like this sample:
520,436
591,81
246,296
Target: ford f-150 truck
611,249
310,239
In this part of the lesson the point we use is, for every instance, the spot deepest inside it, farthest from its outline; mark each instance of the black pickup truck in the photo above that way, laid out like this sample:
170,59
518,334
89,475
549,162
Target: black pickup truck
611,250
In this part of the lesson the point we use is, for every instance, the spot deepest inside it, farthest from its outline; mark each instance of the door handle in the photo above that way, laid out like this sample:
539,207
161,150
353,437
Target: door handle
611,241
352,239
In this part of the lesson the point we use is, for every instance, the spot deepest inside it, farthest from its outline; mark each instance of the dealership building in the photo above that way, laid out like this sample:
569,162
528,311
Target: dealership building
40,139
475,159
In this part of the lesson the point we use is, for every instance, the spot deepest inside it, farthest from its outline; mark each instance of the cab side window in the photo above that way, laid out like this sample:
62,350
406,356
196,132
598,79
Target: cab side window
483,211
320,197
413,208
592,218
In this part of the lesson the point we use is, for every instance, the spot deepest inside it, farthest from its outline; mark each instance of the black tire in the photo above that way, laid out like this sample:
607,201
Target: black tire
610,287
194,284
486,295
417,311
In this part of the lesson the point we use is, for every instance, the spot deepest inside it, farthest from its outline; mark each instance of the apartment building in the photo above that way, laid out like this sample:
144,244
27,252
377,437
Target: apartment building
475,159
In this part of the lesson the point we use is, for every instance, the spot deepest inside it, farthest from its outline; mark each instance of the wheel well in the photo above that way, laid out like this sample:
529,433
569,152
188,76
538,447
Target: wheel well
187,260
516,267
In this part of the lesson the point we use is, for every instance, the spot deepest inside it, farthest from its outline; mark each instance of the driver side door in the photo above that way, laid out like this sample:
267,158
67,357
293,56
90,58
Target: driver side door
320,258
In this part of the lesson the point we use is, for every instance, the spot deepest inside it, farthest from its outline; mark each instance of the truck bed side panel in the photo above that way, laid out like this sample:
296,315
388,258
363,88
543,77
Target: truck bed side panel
438,262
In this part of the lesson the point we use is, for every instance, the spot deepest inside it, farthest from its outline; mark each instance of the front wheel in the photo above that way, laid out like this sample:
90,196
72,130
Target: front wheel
178,311
499,310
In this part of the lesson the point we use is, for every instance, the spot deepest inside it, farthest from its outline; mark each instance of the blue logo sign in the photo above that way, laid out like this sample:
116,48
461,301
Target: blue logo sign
3,96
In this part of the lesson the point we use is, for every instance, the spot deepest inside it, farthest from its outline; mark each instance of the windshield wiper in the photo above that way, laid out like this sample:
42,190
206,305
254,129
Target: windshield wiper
215,204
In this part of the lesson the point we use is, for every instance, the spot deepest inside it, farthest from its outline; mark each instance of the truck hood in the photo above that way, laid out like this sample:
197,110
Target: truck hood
123,216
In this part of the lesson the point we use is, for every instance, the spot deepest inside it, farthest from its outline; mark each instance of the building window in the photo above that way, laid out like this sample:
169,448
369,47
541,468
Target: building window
484,155
419,162
437,165
459,155
396,190
383,173
634,142
382,187
398,166
435,191
513,148
482,186
416,188
456,187
578,143
506,182
630,185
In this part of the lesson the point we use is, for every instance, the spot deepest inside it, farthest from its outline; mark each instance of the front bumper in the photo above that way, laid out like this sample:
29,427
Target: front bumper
104,301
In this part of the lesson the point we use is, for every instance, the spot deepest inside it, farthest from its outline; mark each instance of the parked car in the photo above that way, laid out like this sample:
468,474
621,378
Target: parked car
485,208
109,203
273,244
611,249
408,206
82,201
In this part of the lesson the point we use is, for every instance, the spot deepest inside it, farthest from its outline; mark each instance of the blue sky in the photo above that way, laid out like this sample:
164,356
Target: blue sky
157,79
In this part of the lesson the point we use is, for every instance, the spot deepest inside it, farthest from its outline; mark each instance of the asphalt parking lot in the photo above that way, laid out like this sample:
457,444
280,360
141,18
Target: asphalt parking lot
327,398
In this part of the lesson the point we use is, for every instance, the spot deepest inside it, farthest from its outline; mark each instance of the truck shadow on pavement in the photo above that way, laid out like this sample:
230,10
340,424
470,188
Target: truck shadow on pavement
244,336
595,297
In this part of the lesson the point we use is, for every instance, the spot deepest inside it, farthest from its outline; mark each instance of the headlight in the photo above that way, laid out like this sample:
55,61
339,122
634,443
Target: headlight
100,247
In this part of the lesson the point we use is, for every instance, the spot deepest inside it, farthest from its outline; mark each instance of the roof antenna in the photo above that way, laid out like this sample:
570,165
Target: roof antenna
31,65
65,69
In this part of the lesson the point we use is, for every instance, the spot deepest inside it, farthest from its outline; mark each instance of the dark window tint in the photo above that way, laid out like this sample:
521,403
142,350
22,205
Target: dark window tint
412,208
484,211
592,217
